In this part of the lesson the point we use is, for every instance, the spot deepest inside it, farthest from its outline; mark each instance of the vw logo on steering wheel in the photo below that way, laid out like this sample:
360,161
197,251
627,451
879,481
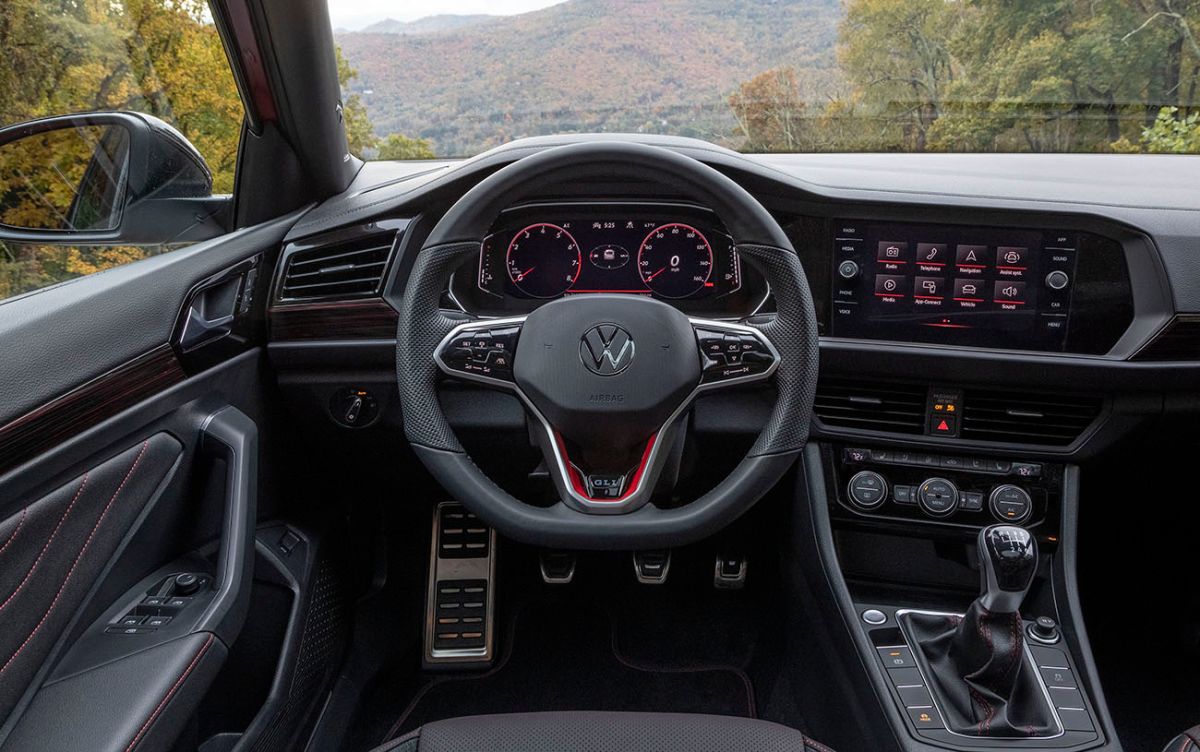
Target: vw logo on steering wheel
606,349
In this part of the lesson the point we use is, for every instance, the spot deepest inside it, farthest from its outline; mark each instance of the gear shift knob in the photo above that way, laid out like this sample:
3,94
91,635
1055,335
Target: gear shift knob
1008,559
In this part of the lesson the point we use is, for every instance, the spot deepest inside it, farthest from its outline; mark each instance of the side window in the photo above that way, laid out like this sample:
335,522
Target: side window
115,116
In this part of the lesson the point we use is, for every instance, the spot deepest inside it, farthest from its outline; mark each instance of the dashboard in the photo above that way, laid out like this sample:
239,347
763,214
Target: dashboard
679,253
1005,287
1123,233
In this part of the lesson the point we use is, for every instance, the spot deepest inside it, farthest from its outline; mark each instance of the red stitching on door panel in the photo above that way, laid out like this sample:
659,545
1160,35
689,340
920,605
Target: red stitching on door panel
53,604
46,547
171,693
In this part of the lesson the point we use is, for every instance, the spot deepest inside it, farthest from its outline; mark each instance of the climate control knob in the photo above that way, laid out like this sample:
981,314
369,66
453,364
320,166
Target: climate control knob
1011,503
867,489
938,497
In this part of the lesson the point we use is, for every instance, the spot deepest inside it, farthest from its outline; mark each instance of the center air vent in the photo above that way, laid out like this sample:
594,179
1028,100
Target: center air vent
897,408
1025,418
349,268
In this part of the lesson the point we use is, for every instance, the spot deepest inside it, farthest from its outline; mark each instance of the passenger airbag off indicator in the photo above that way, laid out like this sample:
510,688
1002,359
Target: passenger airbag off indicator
943,409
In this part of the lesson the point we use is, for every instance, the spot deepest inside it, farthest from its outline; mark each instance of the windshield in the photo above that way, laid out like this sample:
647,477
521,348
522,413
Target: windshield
456,77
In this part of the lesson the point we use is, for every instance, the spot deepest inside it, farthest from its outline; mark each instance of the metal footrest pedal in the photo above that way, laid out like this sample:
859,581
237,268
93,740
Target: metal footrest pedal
460,604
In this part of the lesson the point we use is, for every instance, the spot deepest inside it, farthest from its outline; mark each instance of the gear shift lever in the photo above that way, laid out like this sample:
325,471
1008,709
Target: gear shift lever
977,664
1007,560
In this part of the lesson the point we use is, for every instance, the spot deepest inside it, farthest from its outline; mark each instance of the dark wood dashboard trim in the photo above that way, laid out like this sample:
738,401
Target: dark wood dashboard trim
347,319
70,414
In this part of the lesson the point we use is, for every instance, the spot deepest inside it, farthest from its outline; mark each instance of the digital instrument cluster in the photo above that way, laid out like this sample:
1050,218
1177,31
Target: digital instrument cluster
678,253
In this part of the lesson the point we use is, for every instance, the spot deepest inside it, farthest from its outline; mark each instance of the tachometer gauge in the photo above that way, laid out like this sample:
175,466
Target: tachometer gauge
543,260
608,256
675,260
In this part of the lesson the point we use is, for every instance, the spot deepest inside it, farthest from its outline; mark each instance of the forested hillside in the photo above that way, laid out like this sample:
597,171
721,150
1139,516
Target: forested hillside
586,65
800,75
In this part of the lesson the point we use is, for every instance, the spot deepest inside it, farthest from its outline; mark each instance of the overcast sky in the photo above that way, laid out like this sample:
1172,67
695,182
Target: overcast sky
355,14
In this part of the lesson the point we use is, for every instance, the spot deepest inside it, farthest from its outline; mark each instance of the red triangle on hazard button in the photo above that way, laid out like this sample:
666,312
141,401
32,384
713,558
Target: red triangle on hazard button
943,426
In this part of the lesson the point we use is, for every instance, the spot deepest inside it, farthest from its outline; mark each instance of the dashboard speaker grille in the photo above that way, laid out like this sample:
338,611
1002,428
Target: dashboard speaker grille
350,269
1025,418
896,408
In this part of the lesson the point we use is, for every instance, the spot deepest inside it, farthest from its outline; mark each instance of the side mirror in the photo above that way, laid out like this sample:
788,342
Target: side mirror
102,178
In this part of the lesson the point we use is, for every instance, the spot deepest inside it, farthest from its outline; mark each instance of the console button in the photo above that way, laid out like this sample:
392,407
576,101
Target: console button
905,677
915,697
1058,677
1049,657
874,616
1074,719
903,495
897,657
867,489
972,501
938,497
925,718
1010,503
1066,697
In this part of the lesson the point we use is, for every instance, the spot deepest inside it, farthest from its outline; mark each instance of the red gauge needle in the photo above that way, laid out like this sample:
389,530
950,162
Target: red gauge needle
652,276
522,275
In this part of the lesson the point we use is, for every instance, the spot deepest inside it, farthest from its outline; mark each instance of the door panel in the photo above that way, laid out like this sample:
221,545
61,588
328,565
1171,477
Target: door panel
55,548
127,458
81,330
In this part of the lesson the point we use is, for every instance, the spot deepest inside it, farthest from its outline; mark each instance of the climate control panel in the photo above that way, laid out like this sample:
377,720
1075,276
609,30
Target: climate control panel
945,489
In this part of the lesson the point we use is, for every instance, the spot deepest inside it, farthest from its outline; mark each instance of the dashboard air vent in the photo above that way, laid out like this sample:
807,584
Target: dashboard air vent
872,406
1178,340
353,268
1025,418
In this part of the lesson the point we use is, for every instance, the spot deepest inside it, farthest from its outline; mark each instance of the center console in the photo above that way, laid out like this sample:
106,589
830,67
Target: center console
953,572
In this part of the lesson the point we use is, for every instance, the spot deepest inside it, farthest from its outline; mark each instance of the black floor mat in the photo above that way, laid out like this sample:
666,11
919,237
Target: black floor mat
564,657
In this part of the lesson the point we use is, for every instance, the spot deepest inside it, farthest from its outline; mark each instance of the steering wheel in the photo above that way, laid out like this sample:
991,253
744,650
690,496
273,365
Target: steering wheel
607,379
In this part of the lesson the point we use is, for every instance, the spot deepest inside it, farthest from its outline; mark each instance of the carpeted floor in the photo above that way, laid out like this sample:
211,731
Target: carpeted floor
564,656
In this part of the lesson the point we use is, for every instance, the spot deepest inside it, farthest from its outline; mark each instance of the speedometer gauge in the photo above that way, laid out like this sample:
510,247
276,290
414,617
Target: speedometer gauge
543,260
675,260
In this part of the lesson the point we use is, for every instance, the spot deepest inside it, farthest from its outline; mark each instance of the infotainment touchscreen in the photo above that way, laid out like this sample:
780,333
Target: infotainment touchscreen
985,287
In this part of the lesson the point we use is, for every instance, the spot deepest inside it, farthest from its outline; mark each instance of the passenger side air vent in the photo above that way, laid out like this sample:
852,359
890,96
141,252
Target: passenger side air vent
1178,340
897,408
351,267
1025,418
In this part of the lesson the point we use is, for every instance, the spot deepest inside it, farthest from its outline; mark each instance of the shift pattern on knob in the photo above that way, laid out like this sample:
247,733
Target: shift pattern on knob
1008,558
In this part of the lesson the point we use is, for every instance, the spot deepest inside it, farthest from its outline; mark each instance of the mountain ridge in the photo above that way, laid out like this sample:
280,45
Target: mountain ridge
587,65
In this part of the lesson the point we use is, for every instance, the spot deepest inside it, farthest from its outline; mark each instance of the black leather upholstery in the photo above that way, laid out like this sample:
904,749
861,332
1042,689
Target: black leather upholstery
1188,741
603,732
52,551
